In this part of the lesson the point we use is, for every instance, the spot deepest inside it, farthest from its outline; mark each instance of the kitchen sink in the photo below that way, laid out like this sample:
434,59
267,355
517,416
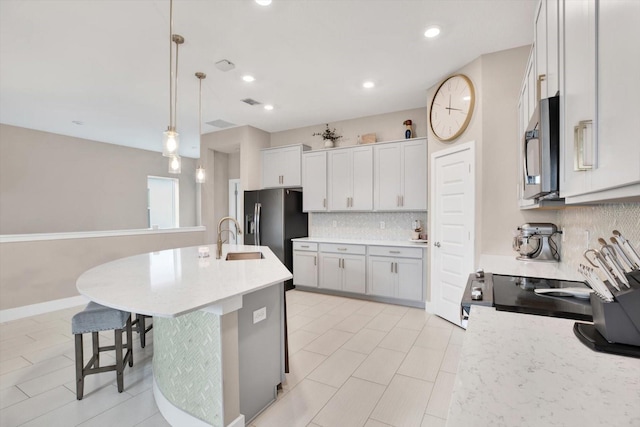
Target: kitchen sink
241,256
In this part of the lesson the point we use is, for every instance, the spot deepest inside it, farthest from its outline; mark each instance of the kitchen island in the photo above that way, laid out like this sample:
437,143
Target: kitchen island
523,370
195,303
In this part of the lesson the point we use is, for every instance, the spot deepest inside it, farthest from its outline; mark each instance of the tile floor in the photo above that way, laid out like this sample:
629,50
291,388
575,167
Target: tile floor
353,363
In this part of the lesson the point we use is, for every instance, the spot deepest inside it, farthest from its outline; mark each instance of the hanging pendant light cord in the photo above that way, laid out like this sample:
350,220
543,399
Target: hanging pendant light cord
171,124
175,96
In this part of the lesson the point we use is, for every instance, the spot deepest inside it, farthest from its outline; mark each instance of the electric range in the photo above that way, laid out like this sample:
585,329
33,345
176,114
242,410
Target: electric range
516,294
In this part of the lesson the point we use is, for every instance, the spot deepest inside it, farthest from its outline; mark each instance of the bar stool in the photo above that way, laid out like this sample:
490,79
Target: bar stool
139,325
92,319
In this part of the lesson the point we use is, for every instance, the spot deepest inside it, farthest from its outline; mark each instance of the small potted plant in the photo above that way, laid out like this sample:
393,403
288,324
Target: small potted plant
329,136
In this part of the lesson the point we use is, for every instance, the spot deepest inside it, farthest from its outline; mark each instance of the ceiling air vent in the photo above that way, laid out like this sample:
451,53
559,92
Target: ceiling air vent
219,123
225,65
251,101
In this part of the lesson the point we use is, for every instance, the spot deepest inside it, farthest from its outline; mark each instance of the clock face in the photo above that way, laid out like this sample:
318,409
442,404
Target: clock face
452,107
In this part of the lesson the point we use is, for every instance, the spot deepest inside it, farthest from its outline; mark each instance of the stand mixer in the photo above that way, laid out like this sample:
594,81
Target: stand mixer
533,242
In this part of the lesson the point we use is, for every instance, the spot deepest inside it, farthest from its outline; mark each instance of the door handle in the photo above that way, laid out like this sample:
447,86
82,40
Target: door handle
315,260
392,267
258,213
436,244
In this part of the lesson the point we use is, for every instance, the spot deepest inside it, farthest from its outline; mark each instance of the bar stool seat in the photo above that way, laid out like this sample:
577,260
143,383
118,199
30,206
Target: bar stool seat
93,319
139,325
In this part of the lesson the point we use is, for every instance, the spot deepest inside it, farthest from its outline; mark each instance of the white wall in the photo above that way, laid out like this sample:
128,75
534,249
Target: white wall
55,183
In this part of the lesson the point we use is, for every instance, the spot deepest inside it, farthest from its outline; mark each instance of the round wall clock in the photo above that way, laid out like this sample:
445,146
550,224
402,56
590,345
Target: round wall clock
452,107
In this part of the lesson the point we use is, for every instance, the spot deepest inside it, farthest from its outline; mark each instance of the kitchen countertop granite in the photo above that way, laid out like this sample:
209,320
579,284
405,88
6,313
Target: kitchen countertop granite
500,264
523,370
173,282
401,243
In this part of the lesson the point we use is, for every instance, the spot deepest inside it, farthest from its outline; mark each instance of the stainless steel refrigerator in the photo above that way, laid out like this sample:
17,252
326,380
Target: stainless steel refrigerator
272,218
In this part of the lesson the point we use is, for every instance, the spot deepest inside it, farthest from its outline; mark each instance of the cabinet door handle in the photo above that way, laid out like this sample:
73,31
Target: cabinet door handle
394,252
436,244
304,246
350,202
392,267
401,200
342,249
398,201
315,260
541,78
583,146
324,203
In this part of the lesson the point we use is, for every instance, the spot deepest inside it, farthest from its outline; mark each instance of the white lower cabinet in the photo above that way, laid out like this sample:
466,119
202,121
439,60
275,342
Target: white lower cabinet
305,264
343,268
397,276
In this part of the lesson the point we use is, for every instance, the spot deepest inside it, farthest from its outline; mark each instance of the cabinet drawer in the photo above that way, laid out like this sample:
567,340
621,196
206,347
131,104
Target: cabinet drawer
305,246
395,251
343,249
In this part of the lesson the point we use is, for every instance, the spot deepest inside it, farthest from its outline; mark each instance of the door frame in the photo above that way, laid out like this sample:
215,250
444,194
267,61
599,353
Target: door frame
430,302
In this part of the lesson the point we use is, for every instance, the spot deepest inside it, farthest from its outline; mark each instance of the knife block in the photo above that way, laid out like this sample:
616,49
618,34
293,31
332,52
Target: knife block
619,321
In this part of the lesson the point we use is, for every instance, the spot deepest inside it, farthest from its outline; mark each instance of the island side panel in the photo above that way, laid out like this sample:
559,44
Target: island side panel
187,364
230,366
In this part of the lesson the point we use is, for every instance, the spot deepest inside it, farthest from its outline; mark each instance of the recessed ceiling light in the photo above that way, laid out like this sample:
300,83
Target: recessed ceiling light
368,84
263,2
432,32
248,78
268,107
77,122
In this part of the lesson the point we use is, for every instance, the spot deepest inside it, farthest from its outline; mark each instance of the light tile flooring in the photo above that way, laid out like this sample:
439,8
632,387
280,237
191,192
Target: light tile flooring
353,363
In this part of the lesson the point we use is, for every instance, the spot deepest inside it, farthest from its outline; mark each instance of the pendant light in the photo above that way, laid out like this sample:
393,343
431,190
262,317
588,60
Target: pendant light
171,138
200,174
175,164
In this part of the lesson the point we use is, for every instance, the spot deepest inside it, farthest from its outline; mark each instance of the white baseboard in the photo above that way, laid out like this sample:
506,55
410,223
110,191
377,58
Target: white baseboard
10,314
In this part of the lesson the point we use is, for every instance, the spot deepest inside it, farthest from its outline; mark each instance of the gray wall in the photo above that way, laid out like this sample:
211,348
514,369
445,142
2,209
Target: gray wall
54,183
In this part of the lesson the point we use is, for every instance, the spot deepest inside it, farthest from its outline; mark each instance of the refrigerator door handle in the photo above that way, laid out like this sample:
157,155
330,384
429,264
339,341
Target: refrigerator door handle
257,211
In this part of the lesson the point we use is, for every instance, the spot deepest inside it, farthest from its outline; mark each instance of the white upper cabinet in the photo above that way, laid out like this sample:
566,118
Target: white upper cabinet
400,176
546,42
601,152
351,179
314,181
282,166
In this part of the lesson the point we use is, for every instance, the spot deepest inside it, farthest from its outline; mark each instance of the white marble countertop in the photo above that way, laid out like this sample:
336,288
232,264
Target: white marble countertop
500,264
175,281
401,243
522,370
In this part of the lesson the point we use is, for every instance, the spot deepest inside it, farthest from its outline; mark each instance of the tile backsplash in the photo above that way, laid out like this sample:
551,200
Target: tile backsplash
585,224
365,225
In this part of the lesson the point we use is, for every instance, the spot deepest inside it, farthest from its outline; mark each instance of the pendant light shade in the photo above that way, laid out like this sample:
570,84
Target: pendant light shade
200,175
171,138
170,143
175,164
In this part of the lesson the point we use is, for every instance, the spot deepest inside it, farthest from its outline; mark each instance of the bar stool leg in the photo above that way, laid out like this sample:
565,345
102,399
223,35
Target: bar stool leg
143,330
119,361
96,348
79,367
130,342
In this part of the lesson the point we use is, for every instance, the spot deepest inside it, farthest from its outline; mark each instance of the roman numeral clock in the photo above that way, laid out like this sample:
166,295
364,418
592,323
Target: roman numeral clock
452,107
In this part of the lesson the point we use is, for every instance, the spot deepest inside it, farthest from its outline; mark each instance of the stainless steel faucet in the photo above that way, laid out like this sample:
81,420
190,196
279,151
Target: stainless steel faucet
220,230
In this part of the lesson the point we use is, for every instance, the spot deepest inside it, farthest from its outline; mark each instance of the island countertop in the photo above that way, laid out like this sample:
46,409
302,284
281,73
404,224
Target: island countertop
173,282
523,370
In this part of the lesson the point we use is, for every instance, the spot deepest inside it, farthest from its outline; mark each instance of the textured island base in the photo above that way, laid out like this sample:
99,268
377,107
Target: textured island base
195,369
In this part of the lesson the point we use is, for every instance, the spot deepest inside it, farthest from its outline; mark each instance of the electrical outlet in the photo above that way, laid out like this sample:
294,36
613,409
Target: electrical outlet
259,315
335,223
381,225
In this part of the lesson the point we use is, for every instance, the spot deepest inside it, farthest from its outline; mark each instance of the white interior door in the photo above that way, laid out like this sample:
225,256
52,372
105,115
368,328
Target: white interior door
452,227
236,209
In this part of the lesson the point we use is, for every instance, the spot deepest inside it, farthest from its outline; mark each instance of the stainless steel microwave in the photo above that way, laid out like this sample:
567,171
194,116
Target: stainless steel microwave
541,151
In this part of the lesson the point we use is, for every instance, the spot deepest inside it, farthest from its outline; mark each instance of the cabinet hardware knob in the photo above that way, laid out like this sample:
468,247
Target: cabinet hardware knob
436,244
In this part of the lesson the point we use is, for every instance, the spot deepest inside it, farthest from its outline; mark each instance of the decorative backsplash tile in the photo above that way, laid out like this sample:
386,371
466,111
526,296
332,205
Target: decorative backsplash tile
585,224
365,225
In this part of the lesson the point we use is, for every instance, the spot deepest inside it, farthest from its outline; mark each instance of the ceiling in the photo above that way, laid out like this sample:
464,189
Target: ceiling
105,63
